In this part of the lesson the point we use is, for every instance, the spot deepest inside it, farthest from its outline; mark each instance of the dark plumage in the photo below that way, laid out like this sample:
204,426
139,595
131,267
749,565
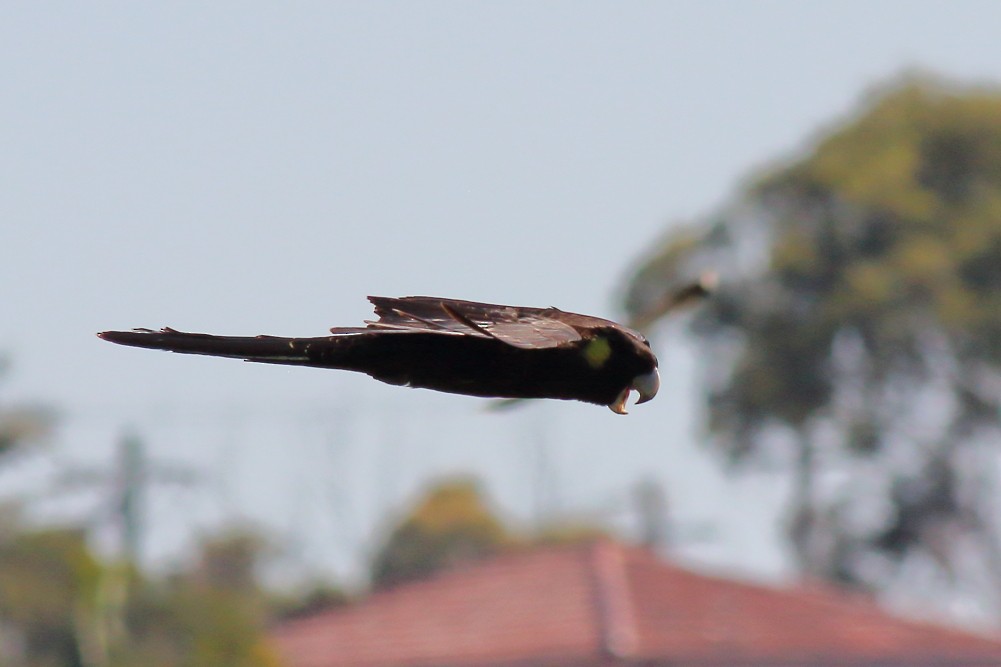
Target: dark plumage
460,347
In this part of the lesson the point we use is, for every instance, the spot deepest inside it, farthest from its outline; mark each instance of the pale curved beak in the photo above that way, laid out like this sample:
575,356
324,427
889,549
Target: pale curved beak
618,406
647,386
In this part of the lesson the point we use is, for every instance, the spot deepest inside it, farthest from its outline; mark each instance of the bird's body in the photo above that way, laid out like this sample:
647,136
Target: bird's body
454,346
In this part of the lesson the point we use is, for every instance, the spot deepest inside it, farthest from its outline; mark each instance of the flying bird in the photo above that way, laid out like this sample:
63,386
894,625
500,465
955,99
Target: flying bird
459,347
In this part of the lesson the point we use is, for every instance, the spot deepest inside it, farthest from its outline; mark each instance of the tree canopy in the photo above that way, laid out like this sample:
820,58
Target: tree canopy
451,523
61,605
857,331
22,425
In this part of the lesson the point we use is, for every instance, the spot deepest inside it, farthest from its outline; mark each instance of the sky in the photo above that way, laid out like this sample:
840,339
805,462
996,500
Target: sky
251,167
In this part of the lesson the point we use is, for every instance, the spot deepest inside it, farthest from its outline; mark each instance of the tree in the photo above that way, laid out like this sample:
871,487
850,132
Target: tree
61,606
857,332
212,613
47,578
22,425
452,523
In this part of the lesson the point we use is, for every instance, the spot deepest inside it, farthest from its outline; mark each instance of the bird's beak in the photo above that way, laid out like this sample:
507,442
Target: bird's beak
647,386
618,406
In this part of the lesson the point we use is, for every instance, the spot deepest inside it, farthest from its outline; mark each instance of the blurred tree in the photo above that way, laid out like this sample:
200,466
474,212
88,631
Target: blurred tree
22,425
452,523
316,596
568,532
47,578
857,332
211,614
60,606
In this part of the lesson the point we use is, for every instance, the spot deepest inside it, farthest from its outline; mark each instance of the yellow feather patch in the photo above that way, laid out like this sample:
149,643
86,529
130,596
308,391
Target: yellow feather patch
597,352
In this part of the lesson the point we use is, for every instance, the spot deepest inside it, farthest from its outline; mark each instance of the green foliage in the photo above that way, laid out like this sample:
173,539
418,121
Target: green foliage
61,607
453,523
211,614
47,578
888,231
22,425
315,597
861,285
449,525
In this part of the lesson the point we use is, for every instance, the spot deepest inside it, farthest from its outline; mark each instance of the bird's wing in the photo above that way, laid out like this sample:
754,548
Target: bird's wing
526,328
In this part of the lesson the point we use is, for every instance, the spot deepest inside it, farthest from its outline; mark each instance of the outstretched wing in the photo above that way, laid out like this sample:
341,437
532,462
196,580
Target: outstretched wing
525,328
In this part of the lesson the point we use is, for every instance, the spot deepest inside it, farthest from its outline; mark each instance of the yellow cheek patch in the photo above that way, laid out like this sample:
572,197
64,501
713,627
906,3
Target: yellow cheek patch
597,352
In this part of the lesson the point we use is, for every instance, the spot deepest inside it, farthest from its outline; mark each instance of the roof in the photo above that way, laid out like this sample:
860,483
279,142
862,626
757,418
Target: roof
605,603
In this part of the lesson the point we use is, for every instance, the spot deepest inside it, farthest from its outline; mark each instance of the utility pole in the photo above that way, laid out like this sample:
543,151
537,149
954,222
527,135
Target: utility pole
125,486
657,529
545,489
653,513
131,482
126,482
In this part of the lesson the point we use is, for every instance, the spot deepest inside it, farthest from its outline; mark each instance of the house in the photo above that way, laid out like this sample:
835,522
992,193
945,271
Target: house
605,603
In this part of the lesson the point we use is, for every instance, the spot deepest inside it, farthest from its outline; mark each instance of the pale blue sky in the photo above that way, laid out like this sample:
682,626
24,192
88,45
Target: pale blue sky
249,167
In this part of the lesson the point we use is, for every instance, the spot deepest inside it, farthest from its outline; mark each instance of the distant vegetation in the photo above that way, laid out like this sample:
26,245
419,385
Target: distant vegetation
62,606
453,523
856,340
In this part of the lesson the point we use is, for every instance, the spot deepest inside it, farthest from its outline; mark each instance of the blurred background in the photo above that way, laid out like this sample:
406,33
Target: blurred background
245,168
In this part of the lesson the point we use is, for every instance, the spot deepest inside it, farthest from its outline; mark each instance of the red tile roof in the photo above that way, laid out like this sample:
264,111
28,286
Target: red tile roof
605,603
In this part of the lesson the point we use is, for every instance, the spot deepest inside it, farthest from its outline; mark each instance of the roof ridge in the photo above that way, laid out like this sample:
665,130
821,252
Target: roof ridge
617,628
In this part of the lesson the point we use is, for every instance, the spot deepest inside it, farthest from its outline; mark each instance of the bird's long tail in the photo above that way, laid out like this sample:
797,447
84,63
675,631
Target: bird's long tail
268,349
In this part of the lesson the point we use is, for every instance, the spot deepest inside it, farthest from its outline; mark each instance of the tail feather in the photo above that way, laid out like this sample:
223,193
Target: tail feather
272,349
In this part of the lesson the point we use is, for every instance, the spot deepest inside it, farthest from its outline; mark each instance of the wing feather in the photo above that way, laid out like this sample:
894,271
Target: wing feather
527,328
